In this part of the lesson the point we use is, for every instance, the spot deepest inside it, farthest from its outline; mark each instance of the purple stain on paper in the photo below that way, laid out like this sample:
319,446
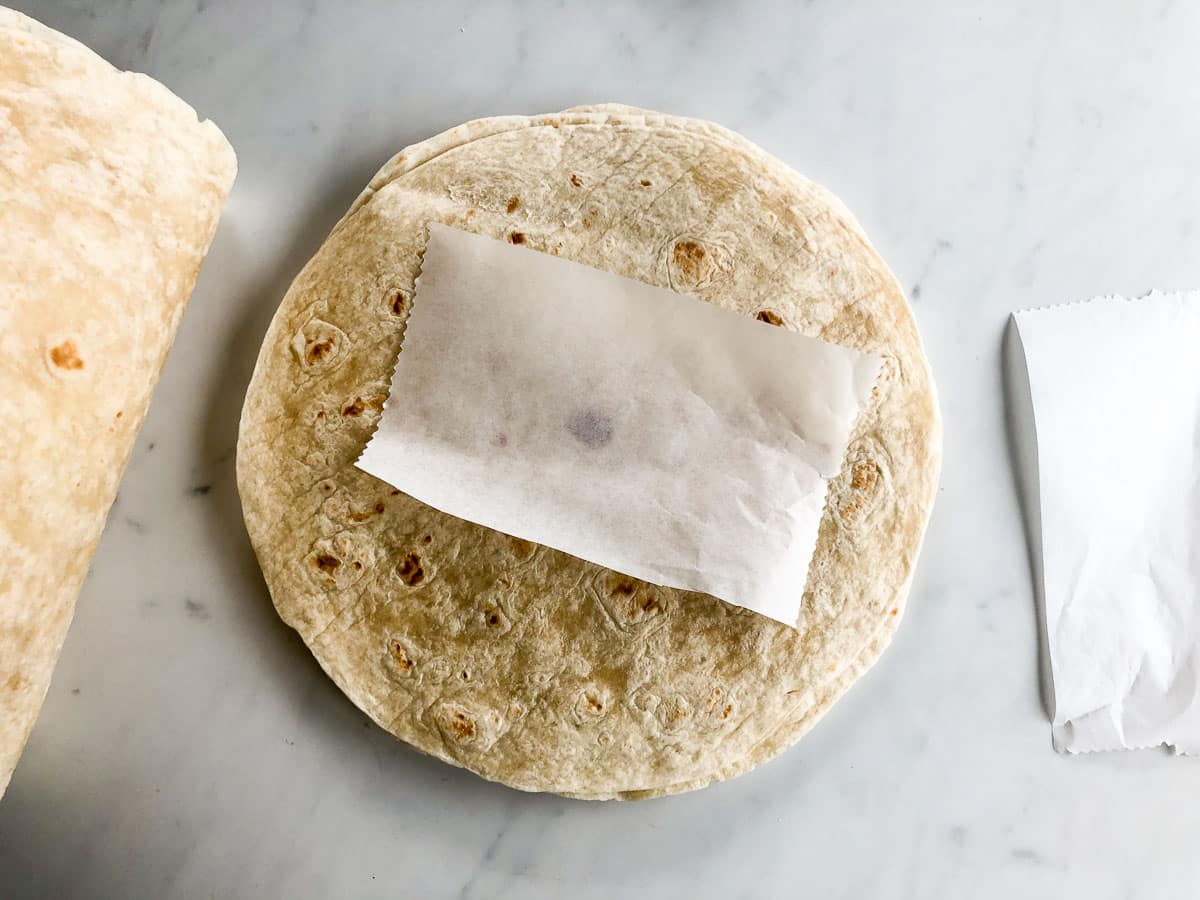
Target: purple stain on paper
591,427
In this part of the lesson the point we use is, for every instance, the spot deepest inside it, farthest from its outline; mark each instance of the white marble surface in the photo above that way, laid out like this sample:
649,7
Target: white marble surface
1000,155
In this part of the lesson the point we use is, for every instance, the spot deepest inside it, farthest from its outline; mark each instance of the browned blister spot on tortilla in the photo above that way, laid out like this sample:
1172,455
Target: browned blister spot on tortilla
576,180
718,707
14,682
327,563
689,260
862,490
513,203
863,478
769,316
410,570
591,704
674,713
462,726
467,724
359,405
401,656
319,344
66,356
398,303
645,182
358,516
495,620
636,604
339,561
517,237
850,508
863,475
632,605
694,264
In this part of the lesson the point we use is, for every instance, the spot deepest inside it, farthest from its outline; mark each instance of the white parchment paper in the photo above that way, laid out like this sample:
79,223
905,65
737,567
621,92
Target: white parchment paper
1115,390
646,431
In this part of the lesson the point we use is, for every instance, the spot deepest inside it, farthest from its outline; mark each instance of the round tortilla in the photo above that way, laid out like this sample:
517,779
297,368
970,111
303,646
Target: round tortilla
520,663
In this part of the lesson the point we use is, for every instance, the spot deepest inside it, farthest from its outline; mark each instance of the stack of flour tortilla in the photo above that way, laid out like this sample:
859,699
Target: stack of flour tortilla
110,191
524,664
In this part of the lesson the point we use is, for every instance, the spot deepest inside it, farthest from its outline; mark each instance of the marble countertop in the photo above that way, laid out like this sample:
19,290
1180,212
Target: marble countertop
1000,155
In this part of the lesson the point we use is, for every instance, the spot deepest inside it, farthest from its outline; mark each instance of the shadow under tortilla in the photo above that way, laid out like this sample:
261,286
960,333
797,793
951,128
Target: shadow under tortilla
1021,431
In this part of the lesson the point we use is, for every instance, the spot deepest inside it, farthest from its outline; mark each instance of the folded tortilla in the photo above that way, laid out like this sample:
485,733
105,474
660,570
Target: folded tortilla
110,192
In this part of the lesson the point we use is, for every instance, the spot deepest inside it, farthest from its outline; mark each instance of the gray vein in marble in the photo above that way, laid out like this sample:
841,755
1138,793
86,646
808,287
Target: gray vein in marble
941,246
195,609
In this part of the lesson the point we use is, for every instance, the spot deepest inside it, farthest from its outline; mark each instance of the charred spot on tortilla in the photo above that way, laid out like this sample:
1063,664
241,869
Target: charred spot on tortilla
327,563
410,570
769,316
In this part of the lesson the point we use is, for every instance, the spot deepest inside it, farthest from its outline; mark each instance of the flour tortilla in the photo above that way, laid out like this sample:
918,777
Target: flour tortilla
110,192
523,664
